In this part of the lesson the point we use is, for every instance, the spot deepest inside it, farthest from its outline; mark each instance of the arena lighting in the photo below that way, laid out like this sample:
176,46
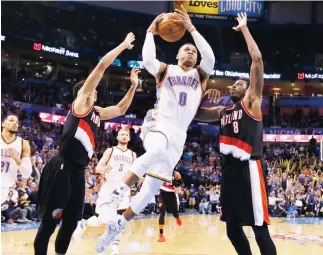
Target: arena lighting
3,38
235,74
59,51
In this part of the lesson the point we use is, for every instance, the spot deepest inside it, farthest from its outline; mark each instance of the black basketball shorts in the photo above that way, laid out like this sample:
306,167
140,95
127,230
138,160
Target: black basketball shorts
243,192
62,190
169,201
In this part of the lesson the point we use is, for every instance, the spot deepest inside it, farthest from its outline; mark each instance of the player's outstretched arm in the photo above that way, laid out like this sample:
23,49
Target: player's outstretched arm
24,164
95,76
153,66
102,167
122,107
257,66
209,114
207,55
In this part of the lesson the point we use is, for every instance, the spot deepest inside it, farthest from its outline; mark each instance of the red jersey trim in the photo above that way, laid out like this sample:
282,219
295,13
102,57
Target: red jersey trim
81,115
248,113
263,193
159,84
87,129
236,142
171,187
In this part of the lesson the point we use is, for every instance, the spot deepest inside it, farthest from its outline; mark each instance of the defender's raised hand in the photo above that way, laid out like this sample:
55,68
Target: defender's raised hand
128,41
183,18
153,26
134,77
242,19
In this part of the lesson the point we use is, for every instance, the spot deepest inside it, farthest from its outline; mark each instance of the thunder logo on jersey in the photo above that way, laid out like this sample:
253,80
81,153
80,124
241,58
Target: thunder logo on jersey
122,158
183,81
5,153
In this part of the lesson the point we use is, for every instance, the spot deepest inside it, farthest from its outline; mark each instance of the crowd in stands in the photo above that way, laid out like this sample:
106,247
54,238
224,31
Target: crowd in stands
294,172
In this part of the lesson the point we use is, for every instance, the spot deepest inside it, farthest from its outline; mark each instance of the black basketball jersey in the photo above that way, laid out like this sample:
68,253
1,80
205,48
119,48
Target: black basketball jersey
241,134
171,187
77,142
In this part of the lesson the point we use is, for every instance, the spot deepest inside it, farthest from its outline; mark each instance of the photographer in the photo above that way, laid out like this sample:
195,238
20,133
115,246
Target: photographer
215,199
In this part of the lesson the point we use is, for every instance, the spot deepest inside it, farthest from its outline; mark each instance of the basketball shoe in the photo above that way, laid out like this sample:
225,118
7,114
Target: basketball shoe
113,229
161,238
111,205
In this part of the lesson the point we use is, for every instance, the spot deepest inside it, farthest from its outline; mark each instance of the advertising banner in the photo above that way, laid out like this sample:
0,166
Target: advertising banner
222,9
293,131
309,76
291,138
59,51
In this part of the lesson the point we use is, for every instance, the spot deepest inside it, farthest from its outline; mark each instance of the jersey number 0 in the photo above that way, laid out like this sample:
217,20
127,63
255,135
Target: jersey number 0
182,99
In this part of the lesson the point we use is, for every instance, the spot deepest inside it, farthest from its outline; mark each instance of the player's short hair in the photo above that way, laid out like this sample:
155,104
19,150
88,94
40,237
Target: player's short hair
124,129
77,87
247,80
9,114
191,44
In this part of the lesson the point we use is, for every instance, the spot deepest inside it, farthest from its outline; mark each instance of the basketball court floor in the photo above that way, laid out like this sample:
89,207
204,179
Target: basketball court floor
199,235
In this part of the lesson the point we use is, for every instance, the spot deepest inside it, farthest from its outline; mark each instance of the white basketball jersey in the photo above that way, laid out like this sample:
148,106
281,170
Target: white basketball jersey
9,168
178,96
120,162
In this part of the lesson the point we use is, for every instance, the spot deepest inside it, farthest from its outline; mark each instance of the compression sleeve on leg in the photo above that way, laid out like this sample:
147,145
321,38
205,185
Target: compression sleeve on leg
150,187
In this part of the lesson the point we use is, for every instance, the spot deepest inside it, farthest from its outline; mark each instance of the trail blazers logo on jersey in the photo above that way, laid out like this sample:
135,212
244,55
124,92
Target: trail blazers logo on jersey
227,119
95,119
183,81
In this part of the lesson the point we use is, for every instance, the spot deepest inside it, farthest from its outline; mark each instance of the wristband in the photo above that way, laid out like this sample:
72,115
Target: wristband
192,29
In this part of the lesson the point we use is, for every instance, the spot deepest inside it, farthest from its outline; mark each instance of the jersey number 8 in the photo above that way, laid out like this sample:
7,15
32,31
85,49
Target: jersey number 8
235,127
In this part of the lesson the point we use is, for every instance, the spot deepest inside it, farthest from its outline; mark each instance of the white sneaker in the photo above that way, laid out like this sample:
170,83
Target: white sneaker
115,249
109,235
79,231
111,205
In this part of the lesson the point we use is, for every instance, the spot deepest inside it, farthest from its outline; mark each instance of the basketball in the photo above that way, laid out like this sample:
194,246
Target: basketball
170,31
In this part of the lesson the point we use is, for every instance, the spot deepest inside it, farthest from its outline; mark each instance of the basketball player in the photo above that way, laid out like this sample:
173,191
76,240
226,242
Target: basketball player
179,92
15,155
62,185
168,203
113,165
243,191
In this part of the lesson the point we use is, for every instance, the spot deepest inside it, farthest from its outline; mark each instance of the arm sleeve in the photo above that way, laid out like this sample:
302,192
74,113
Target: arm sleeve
25,168
149,55
207,55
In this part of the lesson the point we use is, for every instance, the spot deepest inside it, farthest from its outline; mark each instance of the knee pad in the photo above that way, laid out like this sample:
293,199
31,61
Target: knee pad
149,189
